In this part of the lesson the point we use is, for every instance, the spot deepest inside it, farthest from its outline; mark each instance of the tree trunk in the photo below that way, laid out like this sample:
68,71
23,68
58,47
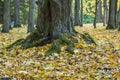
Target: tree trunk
6,16
77,12
81,13
1,11
99,11
118,19
95,18
17,13
112,14
31,16
55,17
105,12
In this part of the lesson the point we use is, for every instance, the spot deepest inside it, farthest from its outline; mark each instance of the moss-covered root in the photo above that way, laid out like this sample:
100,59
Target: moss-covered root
87,38
67,39
16,43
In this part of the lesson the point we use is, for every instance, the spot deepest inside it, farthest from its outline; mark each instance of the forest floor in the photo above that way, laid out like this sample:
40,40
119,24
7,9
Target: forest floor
89,62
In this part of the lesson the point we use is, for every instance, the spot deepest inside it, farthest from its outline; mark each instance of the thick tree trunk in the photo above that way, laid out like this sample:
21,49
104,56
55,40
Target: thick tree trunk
55,17
6,16
112,14
77,12
31,21
17,13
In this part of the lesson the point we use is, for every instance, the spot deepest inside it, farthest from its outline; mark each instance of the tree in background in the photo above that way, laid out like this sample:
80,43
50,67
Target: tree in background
105,12
81,12
31,21
1,11
95,18
6,16
112,14
17,13
77,13
118,17
99,11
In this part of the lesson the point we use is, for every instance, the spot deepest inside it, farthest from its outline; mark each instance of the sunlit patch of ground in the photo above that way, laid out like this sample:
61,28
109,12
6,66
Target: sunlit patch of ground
89,62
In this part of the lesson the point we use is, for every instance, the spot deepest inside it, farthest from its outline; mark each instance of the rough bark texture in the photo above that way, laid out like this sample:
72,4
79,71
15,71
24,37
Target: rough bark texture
77,12
31,15
1,11
118,19
105,12
95,18
6,16
112,14
17,13
55,17
81,12
99,11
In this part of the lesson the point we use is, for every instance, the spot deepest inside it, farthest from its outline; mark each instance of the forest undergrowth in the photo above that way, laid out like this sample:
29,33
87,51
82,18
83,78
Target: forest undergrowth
90,62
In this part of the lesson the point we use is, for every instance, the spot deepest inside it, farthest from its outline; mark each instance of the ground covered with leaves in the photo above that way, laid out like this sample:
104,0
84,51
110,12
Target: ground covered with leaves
90,62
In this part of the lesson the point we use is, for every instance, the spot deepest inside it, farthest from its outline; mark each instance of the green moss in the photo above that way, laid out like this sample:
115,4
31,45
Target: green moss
88,39
16,43
66,39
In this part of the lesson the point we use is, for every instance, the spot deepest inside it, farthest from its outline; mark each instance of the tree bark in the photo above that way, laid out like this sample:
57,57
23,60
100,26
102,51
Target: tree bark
81,13
77,12
6,16
118,19
99,11
54,17
112,14
95,18
31,21
105,12
17,13
1,11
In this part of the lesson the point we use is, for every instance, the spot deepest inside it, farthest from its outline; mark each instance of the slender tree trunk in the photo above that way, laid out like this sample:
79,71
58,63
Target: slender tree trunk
118,19
99,11
17,13
31,21
6,16
55,17
81,13
95,18
112,14
105,12
77,12
1,11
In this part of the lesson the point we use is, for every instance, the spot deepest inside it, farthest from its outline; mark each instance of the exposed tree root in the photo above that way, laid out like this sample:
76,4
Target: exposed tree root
36,39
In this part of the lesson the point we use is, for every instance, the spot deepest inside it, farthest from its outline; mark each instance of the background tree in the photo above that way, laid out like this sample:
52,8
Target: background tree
112,14
118,17
95,18
31,15
105,12
77,13
81,12
1,10
6,16
17,13
99,11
